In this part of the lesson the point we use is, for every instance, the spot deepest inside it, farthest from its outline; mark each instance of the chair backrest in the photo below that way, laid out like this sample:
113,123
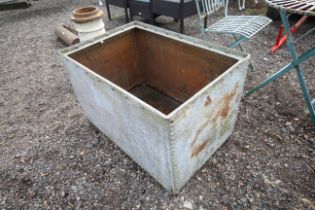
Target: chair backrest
210,6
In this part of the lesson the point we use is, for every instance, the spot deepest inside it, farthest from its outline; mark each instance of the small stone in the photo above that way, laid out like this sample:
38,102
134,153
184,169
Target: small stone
44,174
272,183
308,203
290,126
200,197
240,184
199,178
74,188
188,205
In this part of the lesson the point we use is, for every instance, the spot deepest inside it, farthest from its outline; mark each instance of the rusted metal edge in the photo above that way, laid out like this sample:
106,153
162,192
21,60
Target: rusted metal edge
240,56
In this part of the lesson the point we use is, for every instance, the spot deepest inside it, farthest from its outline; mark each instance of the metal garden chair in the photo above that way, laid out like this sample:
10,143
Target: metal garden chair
241,27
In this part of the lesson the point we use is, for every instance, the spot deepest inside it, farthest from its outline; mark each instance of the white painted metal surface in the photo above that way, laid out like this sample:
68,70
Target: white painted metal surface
170,147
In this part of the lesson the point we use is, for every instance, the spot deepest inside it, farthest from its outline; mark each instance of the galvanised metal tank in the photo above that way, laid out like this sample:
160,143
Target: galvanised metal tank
168,100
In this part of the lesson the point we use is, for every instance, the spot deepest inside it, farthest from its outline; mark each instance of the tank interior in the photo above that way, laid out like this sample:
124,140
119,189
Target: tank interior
161,71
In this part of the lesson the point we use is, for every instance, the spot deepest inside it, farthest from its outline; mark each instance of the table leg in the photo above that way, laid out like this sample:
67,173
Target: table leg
282,71
270,79
299,71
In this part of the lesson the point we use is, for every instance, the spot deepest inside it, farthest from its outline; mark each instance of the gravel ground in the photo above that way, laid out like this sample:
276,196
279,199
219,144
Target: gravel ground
51,157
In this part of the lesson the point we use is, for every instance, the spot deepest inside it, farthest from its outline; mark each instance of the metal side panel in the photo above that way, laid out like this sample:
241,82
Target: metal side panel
138,131
203,125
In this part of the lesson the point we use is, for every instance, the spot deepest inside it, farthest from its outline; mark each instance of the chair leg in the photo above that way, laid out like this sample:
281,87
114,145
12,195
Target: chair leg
309,102
205,21
240,46
250,62
108,12
251,65
131,14
204,36
151,18
299,72
181,24
242,49
126,14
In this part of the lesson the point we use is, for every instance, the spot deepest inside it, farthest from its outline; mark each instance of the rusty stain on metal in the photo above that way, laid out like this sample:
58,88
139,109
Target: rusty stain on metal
227,102
197,149
223,112
167,100
200,129
191,71
208,101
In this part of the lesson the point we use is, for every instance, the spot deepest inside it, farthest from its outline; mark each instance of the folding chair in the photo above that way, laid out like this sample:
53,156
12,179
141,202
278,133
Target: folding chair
241,27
